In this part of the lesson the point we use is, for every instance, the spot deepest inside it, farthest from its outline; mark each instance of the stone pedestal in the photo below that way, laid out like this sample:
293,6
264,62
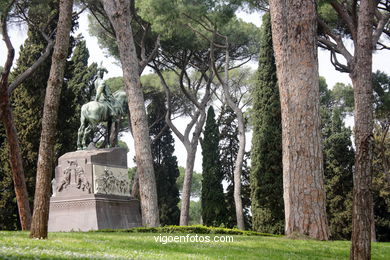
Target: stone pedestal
91,191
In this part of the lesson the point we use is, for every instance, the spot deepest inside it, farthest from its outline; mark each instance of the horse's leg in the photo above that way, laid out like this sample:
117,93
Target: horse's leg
87,132
80,133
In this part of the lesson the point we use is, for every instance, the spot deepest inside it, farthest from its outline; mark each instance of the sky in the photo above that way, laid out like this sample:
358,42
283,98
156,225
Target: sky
18,34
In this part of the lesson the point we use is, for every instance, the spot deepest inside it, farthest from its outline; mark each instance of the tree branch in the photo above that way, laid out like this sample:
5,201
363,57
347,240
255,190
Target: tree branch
168,114
110,32
383,46
339,47
343,13
19,80
182,87
338,66
146,60
158,136
383,20
8,43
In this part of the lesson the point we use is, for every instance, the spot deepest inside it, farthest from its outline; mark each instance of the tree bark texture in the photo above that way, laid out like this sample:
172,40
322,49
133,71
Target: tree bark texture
363,95
6,117
49,122
118,11
294,35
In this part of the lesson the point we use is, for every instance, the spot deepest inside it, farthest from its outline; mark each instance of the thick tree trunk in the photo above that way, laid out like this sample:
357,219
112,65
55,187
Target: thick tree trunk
186,192
363,95
49,122
294,35
15,159
118,11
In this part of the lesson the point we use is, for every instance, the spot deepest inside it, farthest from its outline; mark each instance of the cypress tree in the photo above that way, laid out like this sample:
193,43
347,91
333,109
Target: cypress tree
339,160
381,160
381,188
77,90
266,178
213,206
338,163
165,163
228,145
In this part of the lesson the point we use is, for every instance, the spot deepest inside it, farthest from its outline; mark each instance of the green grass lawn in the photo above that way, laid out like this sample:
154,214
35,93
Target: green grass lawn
123,245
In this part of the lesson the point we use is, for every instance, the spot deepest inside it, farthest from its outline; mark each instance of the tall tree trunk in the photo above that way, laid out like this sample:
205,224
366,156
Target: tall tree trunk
241,151
241,144
186,193
119,13
238,170
191,147
6,118
241,134
197,119
49,122
363,95
294,35
16,159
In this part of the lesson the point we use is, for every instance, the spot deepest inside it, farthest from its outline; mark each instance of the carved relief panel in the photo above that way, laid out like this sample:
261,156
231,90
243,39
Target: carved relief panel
111,180
71,178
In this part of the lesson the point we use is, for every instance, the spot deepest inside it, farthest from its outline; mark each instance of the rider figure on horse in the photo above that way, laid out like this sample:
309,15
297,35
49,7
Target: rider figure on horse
103,93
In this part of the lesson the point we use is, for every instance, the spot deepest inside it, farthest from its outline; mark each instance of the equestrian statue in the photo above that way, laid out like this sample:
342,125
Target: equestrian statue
106,107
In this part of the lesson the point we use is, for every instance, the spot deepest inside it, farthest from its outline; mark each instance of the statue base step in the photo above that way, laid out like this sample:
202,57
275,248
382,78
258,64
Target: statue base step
93,212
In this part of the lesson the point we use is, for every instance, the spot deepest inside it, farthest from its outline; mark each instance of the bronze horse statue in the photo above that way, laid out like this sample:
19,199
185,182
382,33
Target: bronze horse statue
95,112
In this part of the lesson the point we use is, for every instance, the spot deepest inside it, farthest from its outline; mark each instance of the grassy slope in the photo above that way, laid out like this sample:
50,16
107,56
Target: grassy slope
17,245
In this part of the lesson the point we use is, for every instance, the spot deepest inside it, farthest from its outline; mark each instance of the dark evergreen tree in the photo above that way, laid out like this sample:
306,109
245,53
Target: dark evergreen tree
229,144
381,189
165,163
77,90
213,202
338,160
381,161
266,171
